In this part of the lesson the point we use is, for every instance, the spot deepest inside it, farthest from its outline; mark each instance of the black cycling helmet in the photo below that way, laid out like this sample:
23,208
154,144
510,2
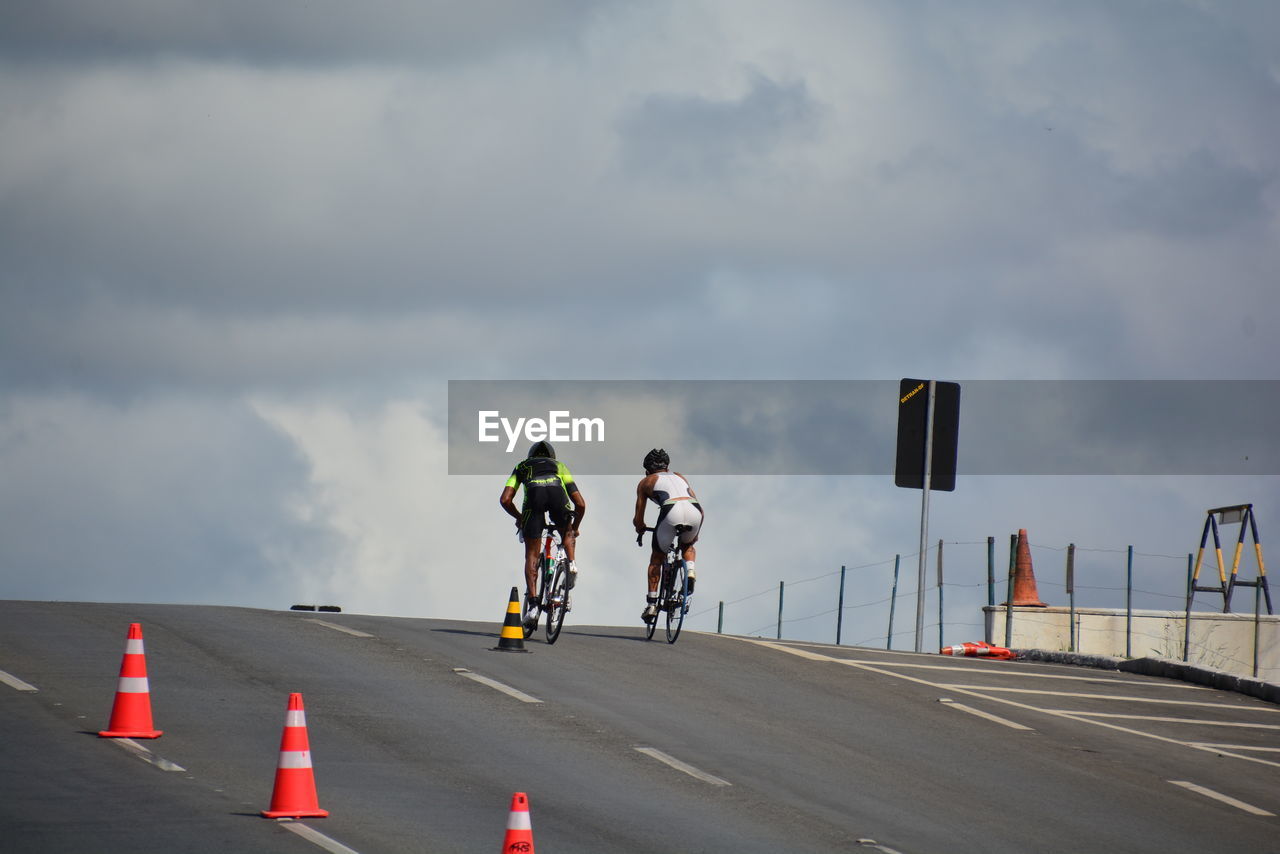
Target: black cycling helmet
656,460
542,449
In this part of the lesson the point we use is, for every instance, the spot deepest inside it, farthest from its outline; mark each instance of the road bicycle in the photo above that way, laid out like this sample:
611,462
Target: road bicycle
553,587
673,587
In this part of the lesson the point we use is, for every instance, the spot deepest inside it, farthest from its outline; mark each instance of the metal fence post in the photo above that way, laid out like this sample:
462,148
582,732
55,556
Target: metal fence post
781,585
720,620
1128,607
1186,624
893,601
1008,602
1257,604
941,624
1071,591
991,581
840,607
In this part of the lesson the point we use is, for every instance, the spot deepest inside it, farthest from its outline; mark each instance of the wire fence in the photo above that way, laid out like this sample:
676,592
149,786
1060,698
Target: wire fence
884,606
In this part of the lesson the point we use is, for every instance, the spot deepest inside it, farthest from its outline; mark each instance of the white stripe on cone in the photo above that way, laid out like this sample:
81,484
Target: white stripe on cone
519,820
133,646
133,685
295,717
295,759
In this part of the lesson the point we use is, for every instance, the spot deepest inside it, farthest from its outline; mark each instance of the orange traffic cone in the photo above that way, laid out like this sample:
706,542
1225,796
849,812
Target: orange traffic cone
519,838
981,648
131,712
294,795
1024,577
512,637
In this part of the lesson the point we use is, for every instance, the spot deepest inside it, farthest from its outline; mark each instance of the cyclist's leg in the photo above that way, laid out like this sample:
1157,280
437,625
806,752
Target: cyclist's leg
531,519
561,513
656,557
532,556
690,514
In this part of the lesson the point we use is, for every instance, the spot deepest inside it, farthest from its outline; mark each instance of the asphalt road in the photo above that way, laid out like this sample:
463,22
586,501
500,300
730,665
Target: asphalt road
420,733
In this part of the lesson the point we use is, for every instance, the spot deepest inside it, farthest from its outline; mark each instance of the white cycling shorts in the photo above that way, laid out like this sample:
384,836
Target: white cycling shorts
677,513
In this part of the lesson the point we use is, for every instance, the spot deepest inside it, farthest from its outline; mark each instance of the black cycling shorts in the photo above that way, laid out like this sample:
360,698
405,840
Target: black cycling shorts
540,499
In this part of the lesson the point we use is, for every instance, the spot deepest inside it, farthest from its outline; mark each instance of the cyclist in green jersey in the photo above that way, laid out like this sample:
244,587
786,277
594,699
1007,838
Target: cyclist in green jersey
548,488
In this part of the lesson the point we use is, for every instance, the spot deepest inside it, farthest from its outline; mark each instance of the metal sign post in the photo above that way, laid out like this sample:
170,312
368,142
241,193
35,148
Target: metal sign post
924,509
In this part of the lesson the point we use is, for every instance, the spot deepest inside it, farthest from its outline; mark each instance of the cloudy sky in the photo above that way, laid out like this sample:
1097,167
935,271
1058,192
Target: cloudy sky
244,247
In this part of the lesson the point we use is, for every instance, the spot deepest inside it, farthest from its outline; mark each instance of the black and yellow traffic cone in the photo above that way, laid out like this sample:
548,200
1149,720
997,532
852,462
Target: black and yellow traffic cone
512,637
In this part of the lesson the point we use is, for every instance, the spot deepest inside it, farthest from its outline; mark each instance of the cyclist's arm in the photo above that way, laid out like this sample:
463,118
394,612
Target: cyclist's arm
643,489
507,499
575,494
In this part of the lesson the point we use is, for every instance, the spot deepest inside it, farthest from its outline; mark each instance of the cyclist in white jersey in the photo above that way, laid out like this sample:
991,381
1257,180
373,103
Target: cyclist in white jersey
678,505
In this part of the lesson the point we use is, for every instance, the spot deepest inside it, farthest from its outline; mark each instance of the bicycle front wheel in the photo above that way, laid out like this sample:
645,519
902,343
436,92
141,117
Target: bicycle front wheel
528,617
677,604
557,602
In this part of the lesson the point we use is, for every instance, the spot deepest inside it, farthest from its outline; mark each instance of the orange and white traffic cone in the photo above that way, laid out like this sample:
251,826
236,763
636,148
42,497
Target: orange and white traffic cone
979,649
519,838
294,795
131,712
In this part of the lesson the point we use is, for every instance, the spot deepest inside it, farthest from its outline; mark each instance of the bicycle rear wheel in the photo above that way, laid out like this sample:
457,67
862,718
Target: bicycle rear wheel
677,602
557,601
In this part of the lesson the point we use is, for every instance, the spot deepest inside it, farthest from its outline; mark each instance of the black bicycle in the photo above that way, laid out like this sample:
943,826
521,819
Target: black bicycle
553,588
673,587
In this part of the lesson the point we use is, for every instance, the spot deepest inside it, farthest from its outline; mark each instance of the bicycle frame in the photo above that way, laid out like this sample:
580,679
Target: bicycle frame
553,593
673,587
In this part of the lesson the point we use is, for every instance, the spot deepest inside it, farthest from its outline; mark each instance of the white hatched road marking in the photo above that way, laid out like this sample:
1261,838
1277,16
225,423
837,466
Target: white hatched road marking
496,685
338,628
147,756
980,695
1159,719
1080,696
1218,796
987,715
17,684
685,767
1215,746
994,668
315,837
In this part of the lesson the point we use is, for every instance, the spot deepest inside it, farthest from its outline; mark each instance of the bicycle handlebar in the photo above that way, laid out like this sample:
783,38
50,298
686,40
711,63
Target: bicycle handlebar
640,536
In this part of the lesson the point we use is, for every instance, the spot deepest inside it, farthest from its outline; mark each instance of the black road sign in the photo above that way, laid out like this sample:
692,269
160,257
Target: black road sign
913,406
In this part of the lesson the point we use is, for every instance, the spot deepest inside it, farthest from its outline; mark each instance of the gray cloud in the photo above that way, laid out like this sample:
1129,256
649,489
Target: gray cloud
693,138
1200,197
178,499
426,32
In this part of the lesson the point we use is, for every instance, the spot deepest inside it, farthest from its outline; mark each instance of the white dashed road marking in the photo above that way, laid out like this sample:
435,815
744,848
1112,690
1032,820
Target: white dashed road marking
496,685
685,767
315,837
17,684
338,628
146,755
